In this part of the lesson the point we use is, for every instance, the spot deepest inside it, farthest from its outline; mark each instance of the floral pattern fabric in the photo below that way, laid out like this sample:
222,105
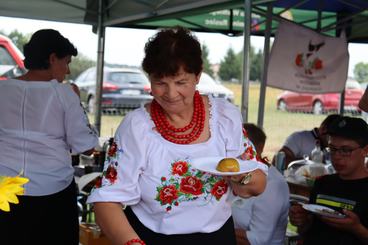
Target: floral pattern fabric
110,172
187,184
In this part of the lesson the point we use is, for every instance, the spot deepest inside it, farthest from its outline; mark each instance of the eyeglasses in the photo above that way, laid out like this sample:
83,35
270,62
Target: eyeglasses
345,152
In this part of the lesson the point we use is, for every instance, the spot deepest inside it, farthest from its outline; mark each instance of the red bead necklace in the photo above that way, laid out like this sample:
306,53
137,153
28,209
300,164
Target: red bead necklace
178,135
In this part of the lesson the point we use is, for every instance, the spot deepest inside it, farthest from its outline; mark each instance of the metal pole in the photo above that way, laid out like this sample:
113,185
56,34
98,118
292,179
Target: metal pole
245,77
266,55
100,65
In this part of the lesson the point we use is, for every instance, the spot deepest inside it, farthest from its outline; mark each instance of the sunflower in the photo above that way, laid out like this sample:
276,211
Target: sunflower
10,187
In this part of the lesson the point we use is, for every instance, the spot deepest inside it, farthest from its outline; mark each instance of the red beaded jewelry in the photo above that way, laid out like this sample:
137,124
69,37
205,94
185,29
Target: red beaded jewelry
135,240
178,135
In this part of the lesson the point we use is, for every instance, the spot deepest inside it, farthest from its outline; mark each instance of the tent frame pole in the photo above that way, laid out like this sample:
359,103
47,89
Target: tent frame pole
100,65
245,74
266,55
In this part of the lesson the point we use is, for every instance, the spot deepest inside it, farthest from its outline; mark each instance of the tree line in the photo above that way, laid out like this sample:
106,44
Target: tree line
230,66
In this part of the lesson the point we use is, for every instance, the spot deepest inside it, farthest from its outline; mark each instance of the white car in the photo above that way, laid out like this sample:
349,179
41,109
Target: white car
207,85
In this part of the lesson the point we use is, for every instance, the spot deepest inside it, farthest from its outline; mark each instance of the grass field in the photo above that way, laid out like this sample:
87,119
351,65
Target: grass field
277,124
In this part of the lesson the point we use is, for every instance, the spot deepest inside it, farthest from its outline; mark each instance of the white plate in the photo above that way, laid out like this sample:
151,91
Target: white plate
319,209
208,164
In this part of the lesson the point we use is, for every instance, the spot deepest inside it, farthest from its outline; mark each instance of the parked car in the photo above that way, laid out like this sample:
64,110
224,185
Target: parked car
320,103
11,59
123,88
207,85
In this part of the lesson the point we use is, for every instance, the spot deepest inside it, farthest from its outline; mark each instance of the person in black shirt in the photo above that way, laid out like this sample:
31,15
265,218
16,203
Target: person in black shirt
345,191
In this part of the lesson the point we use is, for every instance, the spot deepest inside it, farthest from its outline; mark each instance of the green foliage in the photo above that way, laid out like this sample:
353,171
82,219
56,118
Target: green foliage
206,63
230,66
361,72
80,64
255,63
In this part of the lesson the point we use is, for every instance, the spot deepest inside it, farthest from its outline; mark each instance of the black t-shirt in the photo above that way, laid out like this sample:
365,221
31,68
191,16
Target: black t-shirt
336,193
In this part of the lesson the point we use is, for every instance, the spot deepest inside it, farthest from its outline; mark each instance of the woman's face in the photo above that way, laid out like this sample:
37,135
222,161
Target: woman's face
174,93
59,67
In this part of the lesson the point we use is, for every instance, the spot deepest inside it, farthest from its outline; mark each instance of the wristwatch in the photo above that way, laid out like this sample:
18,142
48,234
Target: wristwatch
246,179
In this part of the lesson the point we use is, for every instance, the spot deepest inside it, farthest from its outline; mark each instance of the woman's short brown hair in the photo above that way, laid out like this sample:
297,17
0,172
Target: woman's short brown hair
171,49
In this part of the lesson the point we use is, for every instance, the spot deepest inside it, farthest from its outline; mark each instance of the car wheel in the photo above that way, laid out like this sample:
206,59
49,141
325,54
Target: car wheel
91,104
317,108
282,105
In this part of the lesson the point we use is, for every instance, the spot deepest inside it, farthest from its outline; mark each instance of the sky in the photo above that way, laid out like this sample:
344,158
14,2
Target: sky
125,46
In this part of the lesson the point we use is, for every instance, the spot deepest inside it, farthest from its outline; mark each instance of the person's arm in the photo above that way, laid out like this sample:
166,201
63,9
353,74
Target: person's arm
113,222
351,223
289,155
256,183
300,218
241,237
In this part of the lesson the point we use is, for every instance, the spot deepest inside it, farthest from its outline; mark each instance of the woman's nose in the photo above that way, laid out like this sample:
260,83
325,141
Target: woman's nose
171,91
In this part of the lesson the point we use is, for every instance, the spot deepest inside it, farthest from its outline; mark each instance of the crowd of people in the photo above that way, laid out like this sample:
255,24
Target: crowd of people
150,191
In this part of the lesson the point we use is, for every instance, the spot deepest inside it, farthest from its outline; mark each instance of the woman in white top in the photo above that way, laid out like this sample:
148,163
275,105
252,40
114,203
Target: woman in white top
41,123
149,167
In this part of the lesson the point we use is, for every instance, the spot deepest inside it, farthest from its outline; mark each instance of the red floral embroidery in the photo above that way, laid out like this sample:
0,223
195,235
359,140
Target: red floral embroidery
112,149
168,194
299,60
111,174
98,182
248,153
188,184
219,189
318,64
191,185
180,168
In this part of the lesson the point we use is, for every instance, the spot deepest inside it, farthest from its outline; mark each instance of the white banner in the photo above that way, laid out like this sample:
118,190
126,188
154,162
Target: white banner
305,61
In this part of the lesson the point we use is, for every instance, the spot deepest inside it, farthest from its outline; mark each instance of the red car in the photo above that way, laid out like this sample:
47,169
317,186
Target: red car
11,59
320,103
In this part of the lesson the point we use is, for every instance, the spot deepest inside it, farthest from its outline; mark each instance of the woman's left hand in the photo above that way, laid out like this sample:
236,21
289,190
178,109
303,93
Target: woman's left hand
248,184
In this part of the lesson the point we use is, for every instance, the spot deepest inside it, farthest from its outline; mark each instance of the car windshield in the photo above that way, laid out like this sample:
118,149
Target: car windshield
128,78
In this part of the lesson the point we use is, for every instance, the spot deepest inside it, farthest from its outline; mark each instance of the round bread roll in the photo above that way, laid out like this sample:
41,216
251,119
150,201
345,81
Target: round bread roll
228,165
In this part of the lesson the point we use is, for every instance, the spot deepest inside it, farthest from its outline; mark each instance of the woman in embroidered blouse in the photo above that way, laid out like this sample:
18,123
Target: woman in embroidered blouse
149,166
41,121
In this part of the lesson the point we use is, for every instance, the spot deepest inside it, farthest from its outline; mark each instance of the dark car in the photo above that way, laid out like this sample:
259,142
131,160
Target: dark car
320,103
123,88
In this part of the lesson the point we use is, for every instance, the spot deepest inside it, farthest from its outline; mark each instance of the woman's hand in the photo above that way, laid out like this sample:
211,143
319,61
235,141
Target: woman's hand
248,184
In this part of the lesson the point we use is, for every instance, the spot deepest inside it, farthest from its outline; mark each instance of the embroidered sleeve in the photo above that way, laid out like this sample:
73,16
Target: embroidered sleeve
124,163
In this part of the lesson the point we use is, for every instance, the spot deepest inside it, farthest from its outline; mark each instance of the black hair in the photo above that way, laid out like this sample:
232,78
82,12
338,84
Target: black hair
255,134
42,44
171,49
330,119
351,128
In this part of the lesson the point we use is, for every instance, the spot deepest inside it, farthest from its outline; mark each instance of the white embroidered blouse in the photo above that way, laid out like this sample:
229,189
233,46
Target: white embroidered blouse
156,177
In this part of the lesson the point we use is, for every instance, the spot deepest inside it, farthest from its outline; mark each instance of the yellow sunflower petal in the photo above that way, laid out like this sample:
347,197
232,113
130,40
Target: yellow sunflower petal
18,180
12,198
4,205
